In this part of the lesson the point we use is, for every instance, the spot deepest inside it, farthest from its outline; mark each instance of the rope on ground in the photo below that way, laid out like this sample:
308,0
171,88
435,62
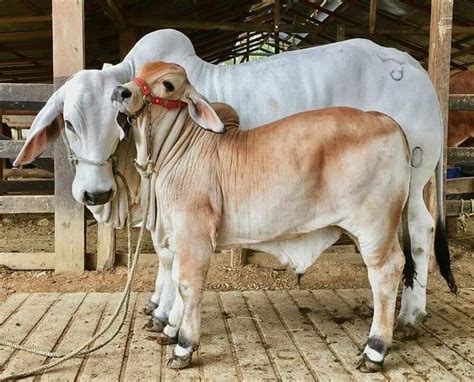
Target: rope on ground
132,260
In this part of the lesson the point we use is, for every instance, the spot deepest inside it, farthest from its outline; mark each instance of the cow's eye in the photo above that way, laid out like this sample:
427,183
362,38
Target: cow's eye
69,126
168,85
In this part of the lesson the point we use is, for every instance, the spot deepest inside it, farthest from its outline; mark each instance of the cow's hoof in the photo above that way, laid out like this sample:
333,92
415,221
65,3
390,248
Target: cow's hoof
406,331
163,339
154,325
149,308
367,366
180,362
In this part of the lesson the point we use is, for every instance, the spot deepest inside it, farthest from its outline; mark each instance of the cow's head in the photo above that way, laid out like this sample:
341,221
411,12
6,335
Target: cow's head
90,128
169,83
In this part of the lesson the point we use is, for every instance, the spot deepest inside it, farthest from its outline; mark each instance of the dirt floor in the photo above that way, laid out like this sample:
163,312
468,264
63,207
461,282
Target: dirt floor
34,235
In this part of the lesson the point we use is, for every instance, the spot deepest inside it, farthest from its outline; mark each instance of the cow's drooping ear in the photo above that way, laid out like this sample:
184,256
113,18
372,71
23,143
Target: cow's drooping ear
123,122
44,129
202,113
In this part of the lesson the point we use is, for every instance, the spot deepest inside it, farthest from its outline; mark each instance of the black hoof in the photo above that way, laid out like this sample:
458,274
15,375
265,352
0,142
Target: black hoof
367,366
154,325
149,308
176,362
163,339
405,331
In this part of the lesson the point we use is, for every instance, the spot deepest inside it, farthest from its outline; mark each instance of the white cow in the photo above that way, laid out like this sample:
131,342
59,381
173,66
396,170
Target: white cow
356,73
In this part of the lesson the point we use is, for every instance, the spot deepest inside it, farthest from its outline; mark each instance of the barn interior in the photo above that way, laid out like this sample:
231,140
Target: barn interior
60,270
224,31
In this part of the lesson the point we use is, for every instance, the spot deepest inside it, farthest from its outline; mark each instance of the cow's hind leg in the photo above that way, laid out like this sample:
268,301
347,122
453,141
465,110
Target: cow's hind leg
384,271
413,305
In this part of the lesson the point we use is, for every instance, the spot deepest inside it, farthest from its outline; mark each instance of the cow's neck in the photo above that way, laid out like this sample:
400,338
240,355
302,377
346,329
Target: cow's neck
157,145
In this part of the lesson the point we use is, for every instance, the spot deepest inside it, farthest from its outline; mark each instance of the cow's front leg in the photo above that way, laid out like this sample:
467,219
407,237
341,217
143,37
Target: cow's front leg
170,332
165,293
384,270
151,305
194,254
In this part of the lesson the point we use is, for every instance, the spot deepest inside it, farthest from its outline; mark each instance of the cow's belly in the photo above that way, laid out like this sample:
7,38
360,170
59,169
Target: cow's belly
299,251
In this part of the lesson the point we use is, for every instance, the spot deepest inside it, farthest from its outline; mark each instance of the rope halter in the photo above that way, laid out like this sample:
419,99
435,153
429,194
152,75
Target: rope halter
75,159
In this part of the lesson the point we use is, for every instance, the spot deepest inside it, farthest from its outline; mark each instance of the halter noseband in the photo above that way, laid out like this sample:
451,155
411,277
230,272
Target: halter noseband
151,99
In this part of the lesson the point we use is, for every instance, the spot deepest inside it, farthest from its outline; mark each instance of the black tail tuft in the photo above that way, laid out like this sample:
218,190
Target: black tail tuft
409,273
442,256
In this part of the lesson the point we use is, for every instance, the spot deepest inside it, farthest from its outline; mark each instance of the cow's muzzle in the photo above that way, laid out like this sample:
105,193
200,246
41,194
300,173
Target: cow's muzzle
120,94
96,198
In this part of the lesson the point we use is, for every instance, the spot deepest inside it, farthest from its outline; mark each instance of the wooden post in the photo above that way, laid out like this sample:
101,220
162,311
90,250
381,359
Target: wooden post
341,32
439,69
372,16
127,39
2,161
238,257
68,58
276,23
105,247
106,234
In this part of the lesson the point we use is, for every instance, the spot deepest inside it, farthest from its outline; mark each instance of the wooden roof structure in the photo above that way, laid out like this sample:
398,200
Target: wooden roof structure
225,29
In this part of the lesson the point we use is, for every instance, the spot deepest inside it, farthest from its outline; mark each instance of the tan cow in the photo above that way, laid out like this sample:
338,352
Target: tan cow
461,122
291,188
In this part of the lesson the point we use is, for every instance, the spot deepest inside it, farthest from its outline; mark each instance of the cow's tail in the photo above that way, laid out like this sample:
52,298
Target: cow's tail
409,272
443,257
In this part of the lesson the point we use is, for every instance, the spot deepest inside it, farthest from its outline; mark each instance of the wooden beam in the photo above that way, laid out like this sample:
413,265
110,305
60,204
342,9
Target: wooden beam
463,52
22,121
461,102
457,207
24,20
287,28
372,16
113,13
461,155
15,173
25,36
2,161
439,68
341,32
207,25
10,149
127,39
68,58
24,96
26,186
460,186
27,261
26,204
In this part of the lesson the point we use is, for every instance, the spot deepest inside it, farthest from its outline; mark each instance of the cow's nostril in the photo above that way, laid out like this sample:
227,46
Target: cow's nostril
120,93
126,93
96,198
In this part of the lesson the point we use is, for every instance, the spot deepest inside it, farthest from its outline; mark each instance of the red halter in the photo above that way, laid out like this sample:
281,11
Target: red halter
148,96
